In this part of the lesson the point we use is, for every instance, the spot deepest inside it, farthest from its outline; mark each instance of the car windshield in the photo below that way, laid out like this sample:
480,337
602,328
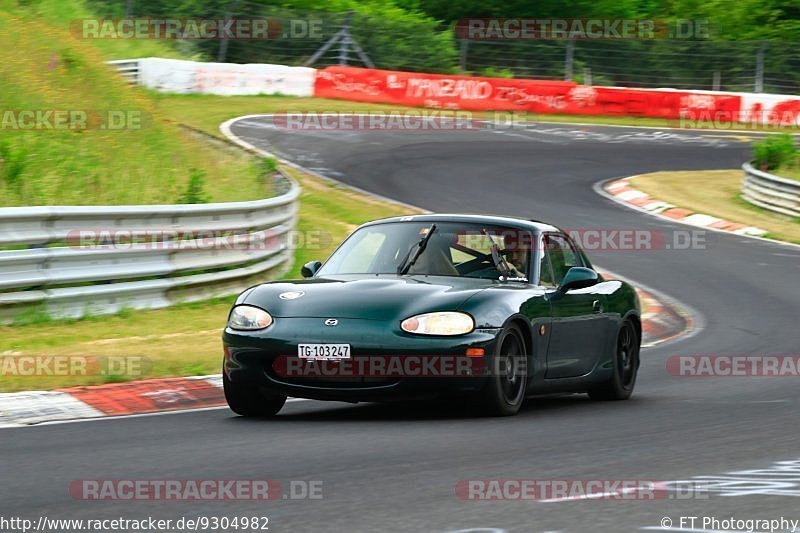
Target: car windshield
453,249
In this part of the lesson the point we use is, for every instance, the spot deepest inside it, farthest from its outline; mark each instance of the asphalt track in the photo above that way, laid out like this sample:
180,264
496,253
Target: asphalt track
395,468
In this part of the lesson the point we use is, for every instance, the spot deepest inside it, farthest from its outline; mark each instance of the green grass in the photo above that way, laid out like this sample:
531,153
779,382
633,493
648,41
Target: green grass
45,68
62,14
792,172
716,193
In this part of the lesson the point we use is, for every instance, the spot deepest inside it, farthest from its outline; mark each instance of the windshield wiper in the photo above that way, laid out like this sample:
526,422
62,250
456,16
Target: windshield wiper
499,261
417,249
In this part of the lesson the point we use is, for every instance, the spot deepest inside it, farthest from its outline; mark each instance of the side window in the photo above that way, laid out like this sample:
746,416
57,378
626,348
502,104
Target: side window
562,255
545,273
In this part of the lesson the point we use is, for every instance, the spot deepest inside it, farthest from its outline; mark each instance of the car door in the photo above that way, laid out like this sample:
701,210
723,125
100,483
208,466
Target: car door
576,330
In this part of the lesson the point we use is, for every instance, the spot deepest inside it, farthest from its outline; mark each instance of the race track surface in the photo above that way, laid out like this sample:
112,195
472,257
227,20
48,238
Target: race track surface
396,468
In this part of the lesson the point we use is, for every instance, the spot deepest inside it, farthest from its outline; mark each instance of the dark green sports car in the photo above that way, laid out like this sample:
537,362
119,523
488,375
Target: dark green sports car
489,309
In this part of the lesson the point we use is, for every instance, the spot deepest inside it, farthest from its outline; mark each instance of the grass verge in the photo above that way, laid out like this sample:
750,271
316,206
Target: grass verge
112,146
716,193
792,173
208,111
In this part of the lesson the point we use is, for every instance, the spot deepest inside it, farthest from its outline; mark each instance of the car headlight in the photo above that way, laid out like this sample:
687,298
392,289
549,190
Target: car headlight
442,323
248,317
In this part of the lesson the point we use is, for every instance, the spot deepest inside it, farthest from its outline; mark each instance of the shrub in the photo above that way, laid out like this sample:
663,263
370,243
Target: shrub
491,72
269,165
194,190
774,152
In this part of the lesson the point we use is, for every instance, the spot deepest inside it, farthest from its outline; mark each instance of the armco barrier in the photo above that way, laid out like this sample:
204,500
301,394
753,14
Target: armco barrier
128,69
69,279
771,192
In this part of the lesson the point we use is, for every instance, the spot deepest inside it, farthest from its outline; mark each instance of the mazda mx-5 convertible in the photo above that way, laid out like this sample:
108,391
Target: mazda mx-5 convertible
485,309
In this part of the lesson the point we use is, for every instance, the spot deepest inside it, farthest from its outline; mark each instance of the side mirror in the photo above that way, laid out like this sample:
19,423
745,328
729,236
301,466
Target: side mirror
578,278
309,269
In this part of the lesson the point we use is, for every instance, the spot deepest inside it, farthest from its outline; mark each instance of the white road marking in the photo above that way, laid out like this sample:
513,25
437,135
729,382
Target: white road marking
139,415
591,496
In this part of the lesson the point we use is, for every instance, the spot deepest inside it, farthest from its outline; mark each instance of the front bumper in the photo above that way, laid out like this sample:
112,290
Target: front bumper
261,358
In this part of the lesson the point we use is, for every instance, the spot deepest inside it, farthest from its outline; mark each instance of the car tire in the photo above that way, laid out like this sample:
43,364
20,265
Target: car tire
505,390
626,365
248,400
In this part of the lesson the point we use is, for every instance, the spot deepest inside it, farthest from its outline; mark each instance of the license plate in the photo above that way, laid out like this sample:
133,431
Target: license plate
327,352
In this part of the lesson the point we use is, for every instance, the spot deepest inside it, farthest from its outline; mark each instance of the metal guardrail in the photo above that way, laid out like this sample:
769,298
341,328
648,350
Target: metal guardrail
777,194
128,69
250,240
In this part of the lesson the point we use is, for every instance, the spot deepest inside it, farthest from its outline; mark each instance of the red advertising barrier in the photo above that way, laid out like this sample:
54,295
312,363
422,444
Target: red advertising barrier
775,109
441,91
660,103
536,96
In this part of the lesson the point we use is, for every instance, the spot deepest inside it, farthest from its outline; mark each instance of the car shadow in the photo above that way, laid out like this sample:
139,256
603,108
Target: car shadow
415,411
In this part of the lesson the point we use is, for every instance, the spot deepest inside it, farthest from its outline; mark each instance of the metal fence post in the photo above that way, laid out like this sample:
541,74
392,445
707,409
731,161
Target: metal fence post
569,60
759,88
462,55
345,40
223,44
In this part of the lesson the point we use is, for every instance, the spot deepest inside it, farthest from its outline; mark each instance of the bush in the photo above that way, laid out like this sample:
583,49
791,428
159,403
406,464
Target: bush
491,72
194,190
12,163
269,165
774,152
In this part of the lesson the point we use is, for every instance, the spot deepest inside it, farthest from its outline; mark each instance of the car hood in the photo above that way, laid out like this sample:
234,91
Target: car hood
374,298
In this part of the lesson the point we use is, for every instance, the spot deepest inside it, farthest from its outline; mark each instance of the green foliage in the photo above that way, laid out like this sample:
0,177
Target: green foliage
33,315
193,369
269,165
774,152
12,163
195,193
393,37
417,35
492,72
